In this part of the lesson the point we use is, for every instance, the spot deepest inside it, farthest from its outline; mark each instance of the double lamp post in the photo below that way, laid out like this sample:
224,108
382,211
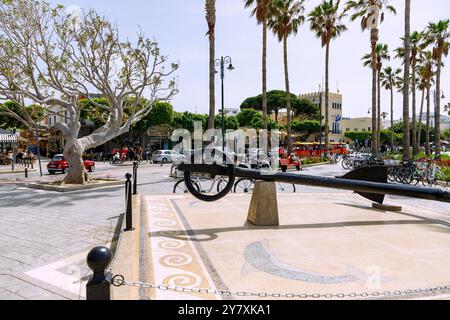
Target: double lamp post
222,63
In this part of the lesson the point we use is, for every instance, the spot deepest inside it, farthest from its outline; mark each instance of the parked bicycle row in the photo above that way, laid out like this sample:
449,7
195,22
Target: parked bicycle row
426,172
361,160
416,173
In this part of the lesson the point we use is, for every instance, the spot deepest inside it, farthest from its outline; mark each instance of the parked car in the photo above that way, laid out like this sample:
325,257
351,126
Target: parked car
166,156
59,164
216,154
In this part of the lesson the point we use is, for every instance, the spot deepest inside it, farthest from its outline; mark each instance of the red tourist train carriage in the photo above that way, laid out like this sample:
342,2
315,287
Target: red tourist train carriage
312,149
305,150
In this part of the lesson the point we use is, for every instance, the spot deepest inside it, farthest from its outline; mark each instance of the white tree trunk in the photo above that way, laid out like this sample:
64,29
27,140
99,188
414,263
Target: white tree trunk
77,173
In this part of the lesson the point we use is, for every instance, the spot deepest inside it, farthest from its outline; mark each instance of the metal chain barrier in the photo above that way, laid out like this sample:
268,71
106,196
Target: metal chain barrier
119,281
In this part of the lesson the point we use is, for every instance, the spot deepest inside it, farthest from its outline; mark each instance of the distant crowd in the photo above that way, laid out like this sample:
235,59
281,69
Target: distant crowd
131,153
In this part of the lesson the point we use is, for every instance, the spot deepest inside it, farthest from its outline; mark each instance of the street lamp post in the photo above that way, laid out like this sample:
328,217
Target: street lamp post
37,147
222,63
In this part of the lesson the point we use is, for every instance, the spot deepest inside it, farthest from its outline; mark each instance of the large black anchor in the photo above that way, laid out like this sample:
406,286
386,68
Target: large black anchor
371,183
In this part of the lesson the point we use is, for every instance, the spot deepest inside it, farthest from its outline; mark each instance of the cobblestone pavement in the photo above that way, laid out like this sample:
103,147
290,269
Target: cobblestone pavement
40,227
46,234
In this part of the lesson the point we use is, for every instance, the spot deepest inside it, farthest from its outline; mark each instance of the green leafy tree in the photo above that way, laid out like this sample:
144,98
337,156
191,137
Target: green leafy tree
161,114
13,115
231,123
186,121
307,126
9,109
246,118
276,101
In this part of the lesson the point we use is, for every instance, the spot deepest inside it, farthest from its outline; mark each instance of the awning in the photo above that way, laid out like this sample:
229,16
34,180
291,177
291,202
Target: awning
8,138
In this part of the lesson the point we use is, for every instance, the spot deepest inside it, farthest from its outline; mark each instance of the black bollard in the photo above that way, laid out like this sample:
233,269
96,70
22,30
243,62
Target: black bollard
135,169
99,287
12,165
26,172
129,204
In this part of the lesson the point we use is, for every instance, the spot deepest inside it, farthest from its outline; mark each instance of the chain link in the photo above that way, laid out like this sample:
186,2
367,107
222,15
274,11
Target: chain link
118,281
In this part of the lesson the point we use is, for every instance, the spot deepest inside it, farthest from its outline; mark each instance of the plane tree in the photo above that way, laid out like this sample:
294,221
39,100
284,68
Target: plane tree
55,59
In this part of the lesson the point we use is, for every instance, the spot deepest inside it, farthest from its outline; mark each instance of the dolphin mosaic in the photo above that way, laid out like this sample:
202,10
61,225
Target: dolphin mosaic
259,259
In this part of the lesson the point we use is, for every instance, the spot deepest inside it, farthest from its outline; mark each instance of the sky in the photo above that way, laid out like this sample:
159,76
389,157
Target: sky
180,28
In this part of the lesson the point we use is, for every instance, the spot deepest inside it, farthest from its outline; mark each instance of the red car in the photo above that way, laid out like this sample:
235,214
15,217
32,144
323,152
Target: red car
59,164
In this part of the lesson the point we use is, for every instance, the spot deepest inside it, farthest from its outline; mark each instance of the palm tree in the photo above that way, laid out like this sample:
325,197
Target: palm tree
438,34
426,73
382,53
261,12
285,20
416,51
210,8
371,13
422,87
406,73
326,22
390,80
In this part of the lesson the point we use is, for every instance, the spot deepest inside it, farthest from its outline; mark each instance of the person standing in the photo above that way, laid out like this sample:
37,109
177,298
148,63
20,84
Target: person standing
140,150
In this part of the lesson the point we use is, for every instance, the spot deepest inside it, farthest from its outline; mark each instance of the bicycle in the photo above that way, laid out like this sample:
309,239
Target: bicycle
218,183
246,185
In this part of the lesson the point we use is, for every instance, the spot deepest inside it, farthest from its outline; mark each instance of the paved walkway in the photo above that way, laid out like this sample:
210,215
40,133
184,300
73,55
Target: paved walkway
341,246
45,236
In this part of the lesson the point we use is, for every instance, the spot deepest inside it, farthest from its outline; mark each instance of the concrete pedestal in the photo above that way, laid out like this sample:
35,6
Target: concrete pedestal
386,207
263,209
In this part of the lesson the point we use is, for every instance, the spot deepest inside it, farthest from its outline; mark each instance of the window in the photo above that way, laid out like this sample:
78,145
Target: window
363,130
356,130
348,129
49,121
369,129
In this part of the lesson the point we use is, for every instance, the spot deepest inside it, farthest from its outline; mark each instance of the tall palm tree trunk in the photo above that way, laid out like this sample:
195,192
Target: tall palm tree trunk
327,93
392,118
211,19
407,65
414,111
373,42
427,135
437,110
419,134
264,75
212,85
379,127
288,94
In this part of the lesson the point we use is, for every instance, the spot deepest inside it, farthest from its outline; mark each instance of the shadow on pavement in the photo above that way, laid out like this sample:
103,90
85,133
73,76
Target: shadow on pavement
31,198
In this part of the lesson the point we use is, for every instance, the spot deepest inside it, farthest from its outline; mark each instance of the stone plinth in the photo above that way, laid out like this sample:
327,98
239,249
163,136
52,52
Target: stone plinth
263,209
